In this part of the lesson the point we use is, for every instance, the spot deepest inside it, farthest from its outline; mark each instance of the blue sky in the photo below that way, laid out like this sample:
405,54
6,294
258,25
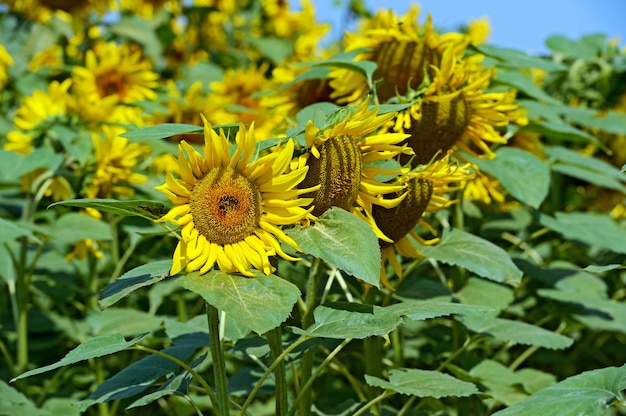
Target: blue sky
518,24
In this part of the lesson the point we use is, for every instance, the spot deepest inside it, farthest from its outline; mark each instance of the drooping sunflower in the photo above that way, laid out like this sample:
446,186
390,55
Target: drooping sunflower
425,190
450,106
232,208
343,157
5,62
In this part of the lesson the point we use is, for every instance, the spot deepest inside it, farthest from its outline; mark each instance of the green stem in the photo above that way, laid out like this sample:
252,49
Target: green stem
183,365
269,371
219,366
374,402
275,341
306,363
319,369
373,353
21,295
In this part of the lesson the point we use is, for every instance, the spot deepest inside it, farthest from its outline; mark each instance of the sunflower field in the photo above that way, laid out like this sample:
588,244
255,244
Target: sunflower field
209,207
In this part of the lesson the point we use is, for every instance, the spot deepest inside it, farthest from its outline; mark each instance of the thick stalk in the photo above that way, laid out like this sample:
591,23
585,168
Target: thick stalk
373,352
275,341
306,363
219,367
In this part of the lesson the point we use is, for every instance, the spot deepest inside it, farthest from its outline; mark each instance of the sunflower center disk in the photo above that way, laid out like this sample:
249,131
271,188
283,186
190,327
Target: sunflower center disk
225,206
402,65
442,124
397,222
337,171
110,83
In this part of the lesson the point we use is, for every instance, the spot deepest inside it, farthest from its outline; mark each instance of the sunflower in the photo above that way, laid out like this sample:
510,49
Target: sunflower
148,8
424,191
5,62
450,107
344,158
42,10
116,159
231,209
115,74
36,113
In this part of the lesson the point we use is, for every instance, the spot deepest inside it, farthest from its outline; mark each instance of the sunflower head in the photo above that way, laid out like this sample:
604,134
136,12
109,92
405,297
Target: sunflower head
231,208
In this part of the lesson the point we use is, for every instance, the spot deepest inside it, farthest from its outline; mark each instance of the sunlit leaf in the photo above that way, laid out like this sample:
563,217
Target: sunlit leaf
344,241
593,268
260,303
345,61
485,293
562,132
73,227
359,321
134,279
525,176
477,255
524,83
10,230
517,59
139,207
589,228
162,131
423,383
92,348
515,331
590,393
419,310
587,47
124,321
40,158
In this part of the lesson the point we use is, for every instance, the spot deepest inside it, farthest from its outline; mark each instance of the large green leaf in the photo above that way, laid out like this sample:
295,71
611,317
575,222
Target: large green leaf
345,60
610,121
14,403
418,310
590,393
10,230
260,303
138,377
525,176
503,383
162,131
518,59
515,331
590,228
132,280
484,293
475,254
40,158
344,241
562,132
524,83
275,49
351,320
92,348
141,31
139,207
73,227
588,47
586,168
123,321
423,383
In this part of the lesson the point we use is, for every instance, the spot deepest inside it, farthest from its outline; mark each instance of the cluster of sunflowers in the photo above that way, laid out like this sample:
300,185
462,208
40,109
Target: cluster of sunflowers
389,146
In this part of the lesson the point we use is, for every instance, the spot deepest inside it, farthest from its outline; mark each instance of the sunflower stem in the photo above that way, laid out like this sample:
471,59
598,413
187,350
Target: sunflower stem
275,341
373,352
306,364
219,367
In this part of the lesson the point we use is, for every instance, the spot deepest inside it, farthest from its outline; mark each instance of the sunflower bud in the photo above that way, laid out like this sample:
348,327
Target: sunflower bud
402,65
441,125
397,222
337,171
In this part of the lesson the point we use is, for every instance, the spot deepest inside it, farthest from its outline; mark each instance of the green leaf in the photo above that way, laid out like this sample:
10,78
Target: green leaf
73,227
344,241
40,158
582,49
138,377
484,293
418,310
525,176
586,168
589,228
609,121
260,303
342,321
10,230
310,74
124,321
92,348
275,49
14,403
423,383
345,61
525,84
137,208
594,268
141,31
517,59
562,132
515,331
502,383
132,280
590,393
162,131
477,255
